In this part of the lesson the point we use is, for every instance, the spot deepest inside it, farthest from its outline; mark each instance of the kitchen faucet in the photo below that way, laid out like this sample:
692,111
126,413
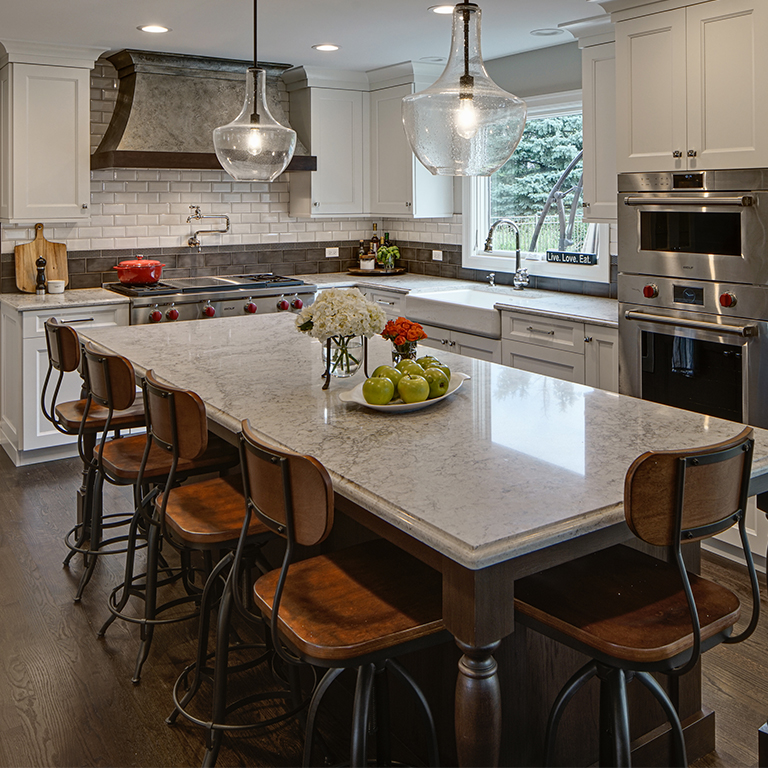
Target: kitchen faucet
197,216
520,278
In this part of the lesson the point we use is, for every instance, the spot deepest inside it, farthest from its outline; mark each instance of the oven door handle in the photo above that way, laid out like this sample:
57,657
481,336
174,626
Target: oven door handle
743,201
701,325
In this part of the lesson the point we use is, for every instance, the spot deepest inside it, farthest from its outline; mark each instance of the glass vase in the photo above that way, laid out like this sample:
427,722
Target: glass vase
346,356
405,351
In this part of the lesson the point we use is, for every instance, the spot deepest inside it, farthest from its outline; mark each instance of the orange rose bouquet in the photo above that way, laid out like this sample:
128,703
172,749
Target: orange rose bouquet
404,334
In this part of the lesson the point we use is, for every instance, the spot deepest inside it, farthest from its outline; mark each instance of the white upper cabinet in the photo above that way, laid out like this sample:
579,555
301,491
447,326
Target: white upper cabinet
690,86
331,122
44,134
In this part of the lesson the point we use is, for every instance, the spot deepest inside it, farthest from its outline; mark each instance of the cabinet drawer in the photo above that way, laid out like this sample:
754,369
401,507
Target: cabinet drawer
390,302
33,323
567,335
533,358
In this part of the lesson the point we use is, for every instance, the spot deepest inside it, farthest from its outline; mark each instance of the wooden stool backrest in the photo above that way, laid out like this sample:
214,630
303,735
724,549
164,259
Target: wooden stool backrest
63,345
290,493
176,418
110,377
693,494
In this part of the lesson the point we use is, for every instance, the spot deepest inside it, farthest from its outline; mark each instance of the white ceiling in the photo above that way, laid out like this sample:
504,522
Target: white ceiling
371,33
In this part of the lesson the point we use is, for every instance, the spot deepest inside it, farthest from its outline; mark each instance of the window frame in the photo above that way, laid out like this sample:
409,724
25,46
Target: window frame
476,213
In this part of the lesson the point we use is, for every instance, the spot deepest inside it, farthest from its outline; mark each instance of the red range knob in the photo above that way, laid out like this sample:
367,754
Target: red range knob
155,316
172,314
250,307
297,303
282,305
650,291
727,299
209,311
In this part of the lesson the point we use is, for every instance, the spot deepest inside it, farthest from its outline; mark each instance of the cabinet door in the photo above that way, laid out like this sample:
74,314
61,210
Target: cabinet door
556,363
554,332
651,93
598,65
45,144
478,347
601,357
727,82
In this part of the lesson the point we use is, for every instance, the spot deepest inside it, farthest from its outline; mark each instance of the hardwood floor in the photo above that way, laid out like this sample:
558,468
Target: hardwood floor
66,698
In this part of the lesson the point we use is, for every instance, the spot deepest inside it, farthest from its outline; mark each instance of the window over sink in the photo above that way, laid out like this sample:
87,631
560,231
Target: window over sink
539,189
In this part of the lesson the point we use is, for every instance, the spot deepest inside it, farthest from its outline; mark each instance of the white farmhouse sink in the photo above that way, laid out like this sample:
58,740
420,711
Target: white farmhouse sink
463,309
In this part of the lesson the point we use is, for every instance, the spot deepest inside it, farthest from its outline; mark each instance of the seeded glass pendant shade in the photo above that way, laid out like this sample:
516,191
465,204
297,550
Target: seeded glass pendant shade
254,146
464,124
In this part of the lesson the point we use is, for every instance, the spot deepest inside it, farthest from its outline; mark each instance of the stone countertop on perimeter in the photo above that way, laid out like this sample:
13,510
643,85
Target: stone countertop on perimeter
510,463
80,297
567,306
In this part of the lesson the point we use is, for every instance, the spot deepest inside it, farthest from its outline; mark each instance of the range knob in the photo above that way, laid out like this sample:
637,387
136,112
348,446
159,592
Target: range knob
250,307
155,316
208,310
172,314
282,305
297,303
650,291
727,299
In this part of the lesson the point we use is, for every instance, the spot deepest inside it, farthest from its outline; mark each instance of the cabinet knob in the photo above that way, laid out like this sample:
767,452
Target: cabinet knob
585,205
408,205
84,206
691,153
677,153
587,339
316,204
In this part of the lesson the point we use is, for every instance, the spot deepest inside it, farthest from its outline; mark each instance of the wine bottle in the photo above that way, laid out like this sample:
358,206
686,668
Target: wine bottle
374,239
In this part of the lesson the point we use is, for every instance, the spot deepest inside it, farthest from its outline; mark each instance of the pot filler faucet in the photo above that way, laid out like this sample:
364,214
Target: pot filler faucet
520,278
197,216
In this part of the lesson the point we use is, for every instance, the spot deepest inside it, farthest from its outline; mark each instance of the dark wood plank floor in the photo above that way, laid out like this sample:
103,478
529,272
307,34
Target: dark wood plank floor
66,698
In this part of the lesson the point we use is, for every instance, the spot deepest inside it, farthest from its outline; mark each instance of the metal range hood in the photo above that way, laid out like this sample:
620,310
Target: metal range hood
168,105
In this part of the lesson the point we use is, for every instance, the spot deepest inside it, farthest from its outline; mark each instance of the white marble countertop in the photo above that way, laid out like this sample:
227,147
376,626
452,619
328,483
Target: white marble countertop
80,297
511,463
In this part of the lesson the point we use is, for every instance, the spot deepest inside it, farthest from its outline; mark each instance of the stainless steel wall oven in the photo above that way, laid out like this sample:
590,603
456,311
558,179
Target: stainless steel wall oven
693,291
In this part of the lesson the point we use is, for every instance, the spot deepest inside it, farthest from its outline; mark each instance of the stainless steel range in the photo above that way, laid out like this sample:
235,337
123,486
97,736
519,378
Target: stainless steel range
693,291
200,298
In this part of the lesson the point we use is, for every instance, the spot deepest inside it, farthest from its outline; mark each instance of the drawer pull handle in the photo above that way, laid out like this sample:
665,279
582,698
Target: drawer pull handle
81,320
531,329
388,303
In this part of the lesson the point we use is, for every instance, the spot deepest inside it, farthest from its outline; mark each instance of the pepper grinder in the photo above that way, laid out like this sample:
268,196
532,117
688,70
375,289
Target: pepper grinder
40,283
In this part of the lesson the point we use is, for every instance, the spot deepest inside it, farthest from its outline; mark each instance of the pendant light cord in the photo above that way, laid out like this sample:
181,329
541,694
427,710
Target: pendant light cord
254,114
466,81
255,35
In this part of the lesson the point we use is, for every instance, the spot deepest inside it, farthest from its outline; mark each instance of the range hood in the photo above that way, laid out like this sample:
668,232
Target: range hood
168,105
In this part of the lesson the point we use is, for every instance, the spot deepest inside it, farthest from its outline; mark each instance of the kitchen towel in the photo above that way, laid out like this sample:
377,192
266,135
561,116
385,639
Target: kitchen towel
682,357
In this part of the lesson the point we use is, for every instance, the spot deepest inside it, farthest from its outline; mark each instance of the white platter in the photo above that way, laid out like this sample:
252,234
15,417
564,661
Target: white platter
356,396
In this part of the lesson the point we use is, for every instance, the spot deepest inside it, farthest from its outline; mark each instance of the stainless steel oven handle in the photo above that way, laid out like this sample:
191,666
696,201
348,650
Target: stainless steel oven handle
701,325
744,201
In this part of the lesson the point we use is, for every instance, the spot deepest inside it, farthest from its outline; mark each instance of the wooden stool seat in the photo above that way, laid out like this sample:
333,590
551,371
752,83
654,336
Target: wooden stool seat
638,614
122,459
70,416
208,513
354,603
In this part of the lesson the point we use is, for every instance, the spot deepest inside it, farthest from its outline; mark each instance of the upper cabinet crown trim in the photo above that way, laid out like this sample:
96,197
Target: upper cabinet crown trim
27,52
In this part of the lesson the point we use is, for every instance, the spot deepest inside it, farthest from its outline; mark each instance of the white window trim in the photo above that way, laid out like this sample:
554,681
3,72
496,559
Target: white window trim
476,199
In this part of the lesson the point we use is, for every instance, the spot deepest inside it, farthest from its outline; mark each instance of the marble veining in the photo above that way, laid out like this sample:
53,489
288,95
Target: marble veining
81,297
510,463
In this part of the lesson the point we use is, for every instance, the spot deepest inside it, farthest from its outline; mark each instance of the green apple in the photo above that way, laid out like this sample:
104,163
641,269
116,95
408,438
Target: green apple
438,382
444,368
378,390
413,389
427,361
409,366
390,372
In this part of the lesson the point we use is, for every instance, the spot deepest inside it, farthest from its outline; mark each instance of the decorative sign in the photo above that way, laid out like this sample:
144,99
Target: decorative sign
571,257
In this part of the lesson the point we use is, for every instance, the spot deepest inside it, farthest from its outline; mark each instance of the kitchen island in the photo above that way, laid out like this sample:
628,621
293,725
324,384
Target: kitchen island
513,473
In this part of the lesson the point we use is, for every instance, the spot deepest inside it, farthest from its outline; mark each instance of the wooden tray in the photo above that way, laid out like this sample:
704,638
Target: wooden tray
377,272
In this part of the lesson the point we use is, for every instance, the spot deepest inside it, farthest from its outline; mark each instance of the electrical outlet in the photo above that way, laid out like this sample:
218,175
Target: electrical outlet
437,255
331,253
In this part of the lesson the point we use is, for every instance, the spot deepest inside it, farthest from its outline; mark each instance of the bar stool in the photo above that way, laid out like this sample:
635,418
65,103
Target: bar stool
140,462
64,356
357,608
635,614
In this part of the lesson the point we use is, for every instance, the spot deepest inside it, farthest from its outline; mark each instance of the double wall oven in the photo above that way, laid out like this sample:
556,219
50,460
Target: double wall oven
693,291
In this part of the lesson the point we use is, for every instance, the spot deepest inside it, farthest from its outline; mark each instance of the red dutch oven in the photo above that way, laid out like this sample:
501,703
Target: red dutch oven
139,271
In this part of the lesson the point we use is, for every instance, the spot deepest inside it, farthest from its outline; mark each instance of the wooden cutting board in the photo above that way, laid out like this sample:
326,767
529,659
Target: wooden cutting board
55,255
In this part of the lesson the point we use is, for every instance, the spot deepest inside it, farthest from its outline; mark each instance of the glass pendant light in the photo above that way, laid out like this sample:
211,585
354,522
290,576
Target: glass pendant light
464,124
254,146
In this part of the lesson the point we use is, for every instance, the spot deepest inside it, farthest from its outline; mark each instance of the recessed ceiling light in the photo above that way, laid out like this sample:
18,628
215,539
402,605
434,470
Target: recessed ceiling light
547,32
441,8
326,47
154,28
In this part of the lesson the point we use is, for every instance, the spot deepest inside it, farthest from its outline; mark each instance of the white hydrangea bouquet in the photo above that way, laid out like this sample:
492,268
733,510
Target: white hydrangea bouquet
337,317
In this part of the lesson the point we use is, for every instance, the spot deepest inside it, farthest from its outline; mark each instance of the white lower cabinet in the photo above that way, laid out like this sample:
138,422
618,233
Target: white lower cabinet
390,301
467,344
26,435
571,350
